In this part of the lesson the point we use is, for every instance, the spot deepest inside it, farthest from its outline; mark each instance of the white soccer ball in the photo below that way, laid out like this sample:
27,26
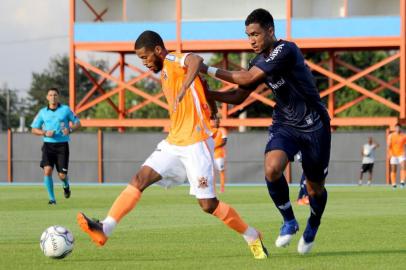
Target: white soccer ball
56,242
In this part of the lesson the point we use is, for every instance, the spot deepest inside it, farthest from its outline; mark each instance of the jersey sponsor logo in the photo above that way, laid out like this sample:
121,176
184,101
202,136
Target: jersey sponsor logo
278,84
202,182
275,52
164,74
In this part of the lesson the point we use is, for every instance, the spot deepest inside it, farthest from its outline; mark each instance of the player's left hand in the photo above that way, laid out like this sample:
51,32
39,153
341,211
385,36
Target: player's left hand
65,131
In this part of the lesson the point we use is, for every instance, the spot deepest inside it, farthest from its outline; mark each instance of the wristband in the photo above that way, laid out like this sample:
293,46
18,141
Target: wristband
212,71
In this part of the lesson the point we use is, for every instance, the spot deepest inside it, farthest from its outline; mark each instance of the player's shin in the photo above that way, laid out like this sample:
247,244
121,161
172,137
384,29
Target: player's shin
124,203
279,192
317,206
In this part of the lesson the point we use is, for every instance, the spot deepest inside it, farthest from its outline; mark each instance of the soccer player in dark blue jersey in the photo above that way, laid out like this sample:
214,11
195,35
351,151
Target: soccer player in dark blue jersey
54,123
300,121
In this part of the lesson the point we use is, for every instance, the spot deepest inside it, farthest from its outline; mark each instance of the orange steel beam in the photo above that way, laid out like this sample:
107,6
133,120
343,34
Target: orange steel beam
148,73
124,10
361,98
403,59
95,87
289,19
364,121
100,156
178,25
345,8
356,76
123,84
109,94
72,75
143,104
125,122
99,17
9,156
355,43
368,76
99,88
121,94
353,86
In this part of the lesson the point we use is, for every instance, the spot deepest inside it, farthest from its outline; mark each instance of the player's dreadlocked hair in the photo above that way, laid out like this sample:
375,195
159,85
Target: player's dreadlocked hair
262,17
149,40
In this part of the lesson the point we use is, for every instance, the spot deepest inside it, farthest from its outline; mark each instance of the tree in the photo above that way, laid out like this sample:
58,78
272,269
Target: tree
57,75
17,107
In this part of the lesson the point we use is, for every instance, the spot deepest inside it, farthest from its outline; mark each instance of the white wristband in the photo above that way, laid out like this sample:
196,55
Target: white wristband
212,71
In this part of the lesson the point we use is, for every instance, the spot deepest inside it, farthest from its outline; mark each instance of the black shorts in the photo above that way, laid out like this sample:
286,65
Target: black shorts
314,146
367,168
56,154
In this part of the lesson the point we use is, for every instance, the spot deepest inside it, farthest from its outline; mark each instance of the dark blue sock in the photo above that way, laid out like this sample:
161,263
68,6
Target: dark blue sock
49,184
317,205
279,192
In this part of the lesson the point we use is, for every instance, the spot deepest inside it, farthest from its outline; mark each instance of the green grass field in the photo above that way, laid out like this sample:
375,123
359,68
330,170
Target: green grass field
363,228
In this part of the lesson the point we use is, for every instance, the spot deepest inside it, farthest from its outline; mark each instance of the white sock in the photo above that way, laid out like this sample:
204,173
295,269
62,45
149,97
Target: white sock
250,235
108,225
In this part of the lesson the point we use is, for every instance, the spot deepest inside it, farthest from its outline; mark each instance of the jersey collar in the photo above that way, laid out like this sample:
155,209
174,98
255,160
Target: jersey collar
57,106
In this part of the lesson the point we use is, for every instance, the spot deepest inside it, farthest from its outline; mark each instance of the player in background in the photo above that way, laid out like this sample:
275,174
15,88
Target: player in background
187,152
302,197
220,141
368,159
396,150
54,123
300,121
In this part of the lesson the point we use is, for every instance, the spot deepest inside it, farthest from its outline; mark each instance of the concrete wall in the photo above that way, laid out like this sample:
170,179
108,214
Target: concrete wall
124,154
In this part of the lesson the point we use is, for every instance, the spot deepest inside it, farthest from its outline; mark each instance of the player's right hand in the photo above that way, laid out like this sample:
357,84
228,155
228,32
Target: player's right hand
49,133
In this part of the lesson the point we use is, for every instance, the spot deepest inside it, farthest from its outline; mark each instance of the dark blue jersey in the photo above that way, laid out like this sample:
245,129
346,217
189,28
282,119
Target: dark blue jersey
298,102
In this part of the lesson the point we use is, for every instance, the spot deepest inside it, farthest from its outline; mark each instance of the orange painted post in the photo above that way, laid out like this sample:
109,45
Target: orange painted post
72,77
345,8
121,94
178,25
124,10
289,13
100,156
387,165
403,59
9,156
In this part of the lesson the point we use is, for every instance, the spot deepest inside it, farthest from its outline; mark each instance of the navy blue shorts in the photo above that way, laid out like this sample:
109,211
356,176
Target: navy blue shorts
314,146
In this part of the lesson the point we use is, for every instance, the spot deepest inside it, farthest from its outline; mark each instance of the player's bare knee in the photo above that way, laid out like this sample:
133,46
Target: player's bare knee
62,176
208,205
139,181
47,171
273,171
315,189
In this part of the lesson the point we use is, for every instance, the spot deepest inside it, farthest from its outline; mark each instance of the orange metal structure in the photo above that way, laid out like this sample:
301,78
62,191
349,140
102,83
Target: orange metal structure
397,44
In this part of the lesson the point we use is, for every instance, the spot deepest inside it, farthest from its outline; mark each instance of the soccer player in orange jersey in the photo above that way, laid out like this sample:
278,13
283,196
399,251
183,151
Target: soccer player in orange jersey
187,152
220,141
396,149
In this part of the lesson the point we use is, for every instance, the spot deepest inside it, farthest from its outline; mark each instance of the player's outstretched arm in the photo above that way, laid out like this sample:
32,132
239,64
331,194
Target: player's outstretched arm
242,77
236,96
192,62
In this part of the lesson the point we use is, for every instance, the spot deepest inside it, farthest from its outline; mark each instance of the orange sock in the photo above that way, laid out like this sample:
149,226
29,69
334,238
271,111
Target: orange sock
230,217
125,202
393,178
222,180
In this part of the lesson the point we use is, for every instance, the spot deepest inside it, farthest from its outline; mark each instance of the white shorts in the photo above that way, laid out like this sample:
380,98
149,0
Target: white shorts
219,162
396,160
176,164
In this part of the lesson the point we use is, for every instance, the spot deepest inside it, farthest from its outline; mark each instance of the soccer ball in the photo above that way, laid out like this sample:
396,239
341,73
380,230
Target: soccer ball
56,242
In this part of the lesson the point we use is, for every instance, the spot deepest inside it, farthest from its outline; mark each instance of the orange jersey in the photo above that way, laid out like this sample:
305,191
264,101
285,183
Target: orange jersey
218,136
190,123
396,144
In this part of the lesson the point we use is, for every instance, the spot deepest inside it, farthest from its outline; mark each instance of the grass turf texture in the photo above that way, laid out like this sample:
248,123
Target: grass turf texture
363,228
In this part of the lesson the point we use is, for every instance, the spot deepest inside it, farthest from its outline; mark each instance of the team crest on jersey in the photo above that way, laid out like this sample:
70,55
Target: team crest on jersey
203,182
